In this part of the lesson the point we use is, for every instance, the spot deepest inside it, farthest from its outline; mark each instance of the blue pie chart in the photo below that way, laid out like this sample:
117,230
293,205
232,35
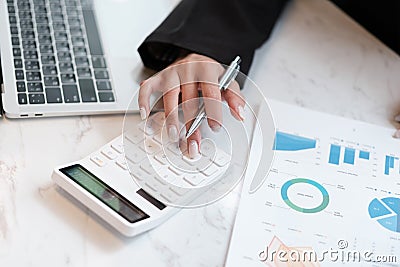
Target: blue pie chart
386,212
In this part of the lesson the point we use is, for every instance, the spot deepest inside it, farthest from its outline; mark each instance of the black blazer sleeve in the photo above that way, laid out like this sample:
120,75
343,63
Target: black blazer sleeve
220,29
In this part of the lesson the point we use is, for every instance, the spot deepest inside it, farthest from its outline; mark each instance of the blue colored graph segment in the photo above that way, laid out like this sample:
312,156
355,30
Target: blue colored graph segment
349,155
363,154
389,163
290,142
377,210
334,154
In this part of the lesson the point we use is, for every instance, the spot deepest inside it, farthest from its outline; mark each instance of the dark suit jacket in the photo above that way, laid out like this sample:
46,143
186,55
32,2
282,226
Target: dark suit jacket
222,29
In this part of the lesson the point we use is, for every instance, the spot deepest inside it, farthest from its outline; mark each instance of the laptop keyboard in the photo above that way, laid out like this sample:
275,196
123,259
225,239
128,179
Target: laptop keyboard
58,56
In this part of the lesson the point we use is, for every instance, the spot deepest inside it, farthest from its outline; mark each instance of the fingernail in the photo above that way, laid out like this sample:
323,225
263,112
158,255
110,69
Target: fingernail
397,118
397,134
143,113
241,112
216,128
193,149
172,133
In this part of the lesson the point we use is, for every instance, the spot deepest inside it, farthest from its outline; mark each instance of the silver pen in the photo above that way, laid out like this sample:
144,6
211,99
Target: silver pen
226,79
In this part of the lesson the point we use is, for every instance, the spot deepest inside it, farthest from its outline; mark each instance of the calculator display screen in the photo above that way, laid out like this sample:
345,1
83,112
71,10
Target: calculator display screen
104,193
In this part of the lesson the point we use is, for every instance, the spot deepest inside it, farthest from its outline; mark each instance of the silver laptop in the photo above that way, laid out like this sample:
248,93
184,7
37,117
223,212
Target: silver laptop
73,57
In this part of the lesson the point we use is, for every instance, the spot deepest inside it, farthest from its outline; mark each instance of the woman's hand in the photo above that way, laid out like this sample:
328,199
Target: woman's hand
188,76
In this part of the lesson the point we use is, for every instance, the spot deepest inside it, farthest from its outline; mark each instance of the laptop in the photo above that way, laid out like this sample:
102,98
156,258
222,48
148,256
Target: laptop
73,57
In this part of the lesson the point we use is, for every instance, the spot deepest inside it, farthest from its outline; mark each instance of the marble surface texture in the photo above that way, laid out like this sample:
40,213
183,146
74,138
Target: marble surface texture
317,57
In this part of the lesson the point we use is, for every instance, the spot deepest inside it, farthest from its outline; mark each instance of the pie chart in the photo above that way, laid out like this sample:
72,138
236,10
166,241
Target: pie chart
386,211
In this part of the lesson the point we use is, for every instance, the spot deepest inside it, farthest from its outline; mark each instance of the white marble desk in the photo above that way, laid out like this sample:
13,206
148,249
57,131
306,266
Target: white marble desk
317,58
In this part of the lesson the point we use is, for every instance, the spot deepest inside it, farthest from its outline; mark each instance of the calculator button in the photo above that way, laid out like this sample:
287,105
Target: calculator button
149,146
149,167
175,170
135,156
210,170
98,160
180,191
168,196
134,137
222,159
122,163
194,179
161,157
139,174
109,153
174,148
118,147
207,148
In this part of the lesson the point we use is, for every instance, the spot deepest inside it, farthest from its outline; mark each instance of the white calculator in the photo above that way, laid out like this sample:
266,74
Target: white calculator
134,181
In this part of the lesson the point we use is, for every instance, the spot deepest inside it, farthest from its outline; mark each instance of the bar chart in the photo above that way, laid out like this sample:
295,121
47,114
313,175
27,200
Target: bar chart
350,154
390,163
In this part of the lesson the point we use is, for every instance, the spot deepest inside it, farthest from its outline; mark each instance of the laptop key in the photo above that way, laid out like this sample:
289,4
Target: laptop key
18,63
44,29
12,19
46,49
26,24
62,46
78,41
101,74
64,57
49,70
81,62
21,87
66,67
70,93
53,95
45,39
84,72
16,52
31,65
29,54
92,32
35,87
59,26
19,75
88,91
29,44
106,97
98,62
11,9
36,99
80,52
68,78
103,85
22,99
33,76
48,60
27,34
14,30
14,40
51,81
61,36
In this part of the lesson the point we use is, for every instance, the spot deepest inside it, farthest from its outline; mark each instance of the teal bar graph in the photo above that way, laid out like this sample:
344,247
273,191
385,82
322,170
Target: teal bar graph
389,163
290,142
334,154
349,155
363,154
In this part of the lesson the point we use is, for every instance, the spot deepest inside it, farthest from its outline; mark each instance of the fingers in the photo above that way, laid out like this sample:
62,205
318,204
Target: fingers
190,106
170,99
235,100
145,92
